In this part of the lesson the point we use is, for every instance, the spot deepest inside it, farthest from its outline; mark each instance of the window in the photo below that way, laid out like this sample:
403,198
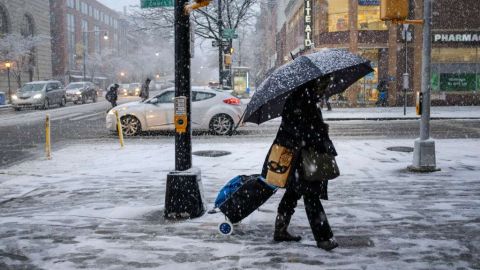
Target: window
71,3
97,39
167,97
198,96
455,69
90,11
27,28
337,13
85,35
369,16
71,40
77,3
4,27
96,14
84,8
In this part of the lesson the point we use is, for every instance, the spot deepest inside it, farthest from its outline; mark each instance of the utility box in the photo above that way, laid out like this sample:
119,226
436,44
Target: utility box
393,10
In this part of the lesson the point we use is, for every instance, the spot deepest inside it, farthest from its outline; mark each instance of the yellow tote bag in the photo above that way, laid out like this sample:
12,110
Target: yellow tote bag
279,165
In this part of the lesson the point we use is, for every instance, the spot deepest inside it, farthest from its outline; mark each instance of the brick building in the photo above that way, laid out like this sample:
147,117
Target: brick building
84,24
356,25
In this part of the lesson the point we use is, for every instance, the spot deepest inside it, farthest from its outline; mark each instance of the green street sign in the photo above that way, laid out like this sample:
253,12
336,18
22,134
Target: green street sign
229,33
156,3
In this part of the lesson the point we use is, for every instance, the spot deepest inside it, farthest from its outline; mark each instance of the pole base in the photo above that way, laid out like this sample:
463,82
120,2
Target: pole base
184,195
424,156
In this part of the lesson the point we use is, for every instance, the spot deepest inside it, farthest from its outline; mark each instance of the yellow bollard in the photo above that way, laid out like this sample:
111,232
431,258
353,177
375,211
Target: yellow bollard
48,146
119,129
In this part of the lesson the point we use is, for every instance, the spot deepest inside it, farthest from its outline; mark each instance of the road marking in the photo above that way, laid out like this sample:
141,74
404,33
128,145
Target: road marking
86,116
54,118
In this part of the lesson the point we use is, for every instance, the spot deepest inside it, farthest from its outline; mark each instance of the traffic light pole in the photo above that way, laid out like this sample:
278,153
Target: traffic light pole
220,45
424,151
184,191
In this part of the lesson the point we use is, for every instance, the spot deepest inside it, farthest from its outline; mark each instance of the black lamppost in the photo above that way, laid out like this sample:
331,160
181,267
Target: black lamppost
8,65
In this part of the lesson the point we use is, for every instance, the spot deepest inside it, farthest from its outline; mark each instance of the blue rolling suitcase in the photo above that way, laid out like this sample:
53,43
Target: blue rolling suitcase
240,197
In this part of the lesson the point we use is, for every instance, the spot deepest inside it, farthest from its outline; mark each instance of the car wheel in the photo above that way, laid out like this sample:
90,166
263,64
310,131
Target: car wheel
17,108
84,99
131,126
63,102
221,124
45,104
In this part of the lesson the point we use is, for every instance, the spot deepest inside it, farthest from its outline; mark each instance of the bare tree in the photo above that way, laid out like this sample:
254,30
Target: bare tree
20,51
234,14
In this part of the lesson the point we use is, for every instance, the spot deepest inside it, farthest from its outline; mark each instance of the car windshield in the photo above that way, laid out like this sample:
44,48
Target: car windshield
75,85
32,87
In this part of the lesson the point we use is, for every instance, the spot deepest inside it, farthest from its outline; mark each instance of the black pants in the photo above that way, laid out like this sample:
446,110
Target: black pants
313,207
114,103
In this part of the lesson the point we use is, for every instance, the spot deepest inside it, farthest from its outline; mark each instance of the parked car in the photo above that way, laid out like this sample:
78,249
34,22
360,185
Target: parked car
39,94
134,89
212,110
123,89
81,92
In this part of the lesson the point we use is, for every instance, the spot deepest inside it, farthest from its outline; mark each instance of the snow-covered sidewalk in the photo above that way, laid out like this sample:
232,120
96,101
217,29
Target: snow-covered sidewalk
95,206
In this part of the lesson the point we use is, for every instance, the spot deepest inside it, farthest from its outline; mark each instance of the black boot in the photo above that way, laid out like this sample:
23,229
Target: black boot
327,244
281,234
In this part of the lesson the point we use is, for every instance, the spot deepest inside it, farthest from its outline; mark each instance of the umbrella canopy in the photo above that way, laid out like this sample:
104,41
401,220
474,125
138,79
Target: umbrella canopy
343,68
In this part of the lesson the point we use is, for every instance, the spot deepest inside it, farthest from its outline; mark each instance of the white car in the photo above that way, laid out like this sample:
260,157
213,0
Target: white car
212,110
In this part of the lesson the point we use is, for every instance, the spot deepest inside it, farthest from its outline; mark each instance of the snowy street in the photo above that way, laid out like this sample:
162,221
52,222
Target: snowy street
95,206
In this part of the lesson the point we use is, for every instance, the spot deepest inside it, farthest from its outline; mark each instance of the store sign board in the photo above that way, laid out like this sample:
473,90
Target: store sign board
368,2
471,37
458,81
308,22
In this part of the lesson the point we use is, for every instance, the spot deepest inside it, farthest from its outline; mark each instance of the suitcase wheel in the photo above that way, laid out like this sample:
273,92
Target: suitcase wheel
225,228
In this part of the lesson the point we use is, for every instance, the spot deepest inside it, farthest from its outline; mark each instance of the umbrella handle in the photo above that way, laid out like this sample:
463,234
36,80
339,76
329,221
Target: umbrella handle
239,122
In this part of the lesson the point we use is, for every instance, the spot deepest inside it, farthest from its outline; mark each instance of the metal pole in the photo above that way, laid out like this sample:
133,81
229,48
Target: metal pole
424,151
220,45
183,143
405,27
426,71
9,89
84,57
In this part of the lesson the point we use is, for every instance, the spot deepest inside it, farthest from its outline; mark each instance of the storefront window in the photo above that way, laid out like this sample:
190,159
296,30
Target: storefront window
455,69
369,15
368,84
337,15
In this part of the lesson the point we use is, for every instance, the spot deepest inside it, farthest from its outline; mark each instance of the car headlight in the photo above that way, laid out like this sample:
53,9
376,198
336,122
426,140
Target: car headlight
78,93
14,97
37,96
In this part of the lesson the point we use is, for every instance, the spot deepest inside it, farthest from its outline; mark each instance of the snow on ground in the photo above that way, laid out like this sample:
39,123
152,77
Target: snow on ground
95,206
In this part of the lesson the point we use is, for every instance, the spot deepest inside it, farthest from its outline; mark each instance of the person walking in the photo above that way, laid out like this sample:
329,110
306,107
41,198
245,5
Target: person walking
145,91
302,127
383,93
112,95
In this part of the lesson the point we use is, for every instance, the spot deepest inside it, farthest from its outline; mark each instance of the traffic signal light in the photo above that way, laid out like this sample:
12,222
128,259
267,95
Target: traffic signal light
198,4
393,10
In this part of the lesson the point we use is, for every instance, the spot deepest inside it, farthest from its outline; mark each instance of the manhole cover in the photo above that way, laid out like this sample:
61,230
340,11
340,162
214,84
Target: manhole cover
405,149
211,153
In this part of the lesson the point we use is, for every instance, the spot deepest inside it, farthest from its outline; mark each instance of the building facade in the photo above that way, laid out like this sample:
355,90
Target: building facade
85,25
26,18
392,49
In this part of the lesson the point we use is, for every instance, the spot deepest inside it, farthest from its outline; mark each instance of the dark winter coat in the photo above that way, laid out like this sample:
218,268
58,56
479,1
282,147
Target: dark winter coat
302,126
112,94
145,91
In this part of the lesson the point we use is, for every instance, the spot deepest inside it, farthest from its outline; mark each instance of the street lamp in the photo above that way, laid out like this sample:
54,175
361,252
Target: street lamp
85,34
122,75
8,65
157,54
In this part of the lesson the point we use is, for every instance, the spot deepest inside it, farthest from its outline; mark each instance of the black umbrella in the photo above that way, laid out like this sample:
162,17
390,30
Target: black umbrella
343,68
